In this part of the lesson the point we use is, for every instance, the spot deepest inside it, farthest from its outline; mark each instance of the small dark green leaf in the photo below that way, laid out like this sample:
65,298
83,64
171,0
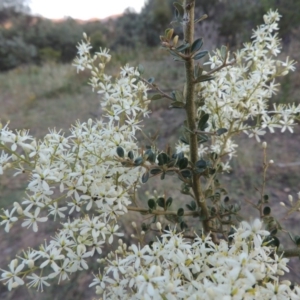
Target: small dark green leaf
266,198
203,78
120,151
151,80
198,43
141,69
226,199
163,158
177,104
151,204
145,226
184,140
180,212
179,8
202,138
183,163
156,97
178,156
174,53
183,47
272,241
186,173
183,225
203,121
162,176
138,161
161,202
297,239
178,96
150,156
193,205
130,155
266,211
155,171
198,71
145,177
201,163
200,55
201,18
221,131
189,207
169,201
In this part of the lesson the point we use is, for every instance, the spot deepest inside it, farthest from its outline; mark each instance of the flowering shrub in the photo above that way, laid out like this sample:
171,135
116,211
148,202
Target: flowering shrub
92,176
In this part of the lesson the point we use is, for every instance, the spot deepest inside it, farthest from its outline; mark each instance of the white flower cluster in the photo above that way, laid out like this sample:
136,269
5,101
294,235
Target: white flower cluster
81,176
237,97
76,175
173,268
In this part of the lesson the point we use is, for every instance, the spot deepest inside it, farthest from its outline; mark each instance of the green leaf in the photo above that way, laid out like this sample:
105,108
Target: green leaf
150,155
198,43
200,55
201,163
120,151
138,161
130,155
162,176
145,226
161,202
184,140
266,198
202,122
186,173
200,19
183,47
226,199
180,212
174,53
163,159
156,97
221,131
198,71
179,8
151,204
183,163
155,171
202,138
169,201
192,206
151,80
266,210
141,69
145,177
179,96
203,78
177,104
183,225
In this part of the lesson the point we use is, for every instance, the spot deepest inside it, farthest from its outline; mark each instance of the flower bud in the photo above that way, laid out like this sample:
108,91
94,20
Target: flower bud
282,204
290,197
84,35
133,224
158,226
264,145
30,263
271,161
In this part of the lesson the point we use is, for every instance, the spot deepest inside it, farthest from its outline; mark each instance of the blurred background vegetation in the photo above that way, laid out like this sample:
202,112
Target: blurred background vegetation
40,90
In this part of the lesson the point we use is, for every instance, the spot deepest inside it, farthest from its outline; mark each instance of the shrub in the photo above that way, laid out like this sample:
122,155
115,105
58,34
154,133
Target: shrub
93,175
